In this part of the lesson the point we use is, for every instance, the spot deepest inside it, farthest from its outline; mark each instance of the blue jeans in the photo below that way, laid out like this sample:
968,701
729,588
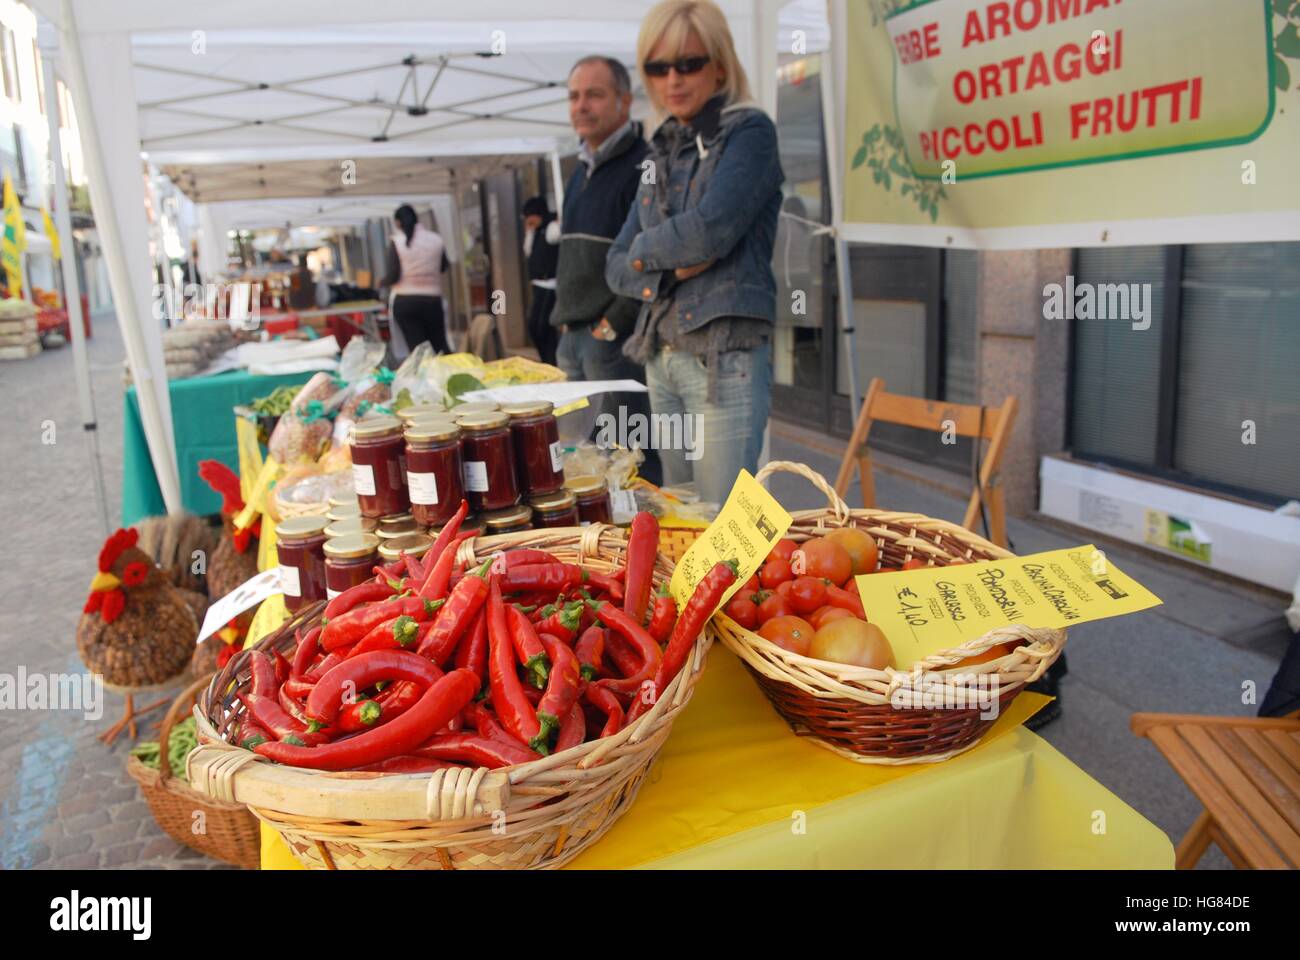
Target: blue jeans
729,436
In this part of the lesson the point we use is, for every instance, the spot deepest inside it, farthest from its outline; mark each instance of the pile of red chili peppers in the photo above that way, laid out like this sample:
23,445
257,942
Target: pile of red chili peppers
429,666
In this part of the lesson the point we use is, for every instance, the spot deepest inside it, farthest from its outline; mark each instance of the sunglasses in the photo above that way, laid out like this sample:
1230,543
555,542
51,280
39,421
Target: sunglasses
685,66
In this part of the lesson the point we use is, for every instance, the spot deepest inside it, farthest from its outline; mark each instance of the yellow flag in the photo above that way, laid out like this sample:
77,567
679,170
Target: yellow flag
14,242
53,234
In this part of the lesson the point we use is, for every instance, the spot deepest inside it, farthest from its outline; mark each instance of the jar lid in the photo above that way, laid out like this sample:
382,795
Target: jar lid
508,516
352,546
350,525
345,500
474,406
296,528
483,421
416,544
528,408
392,529
374,427
424,430
395,517
344,511
589,484
416,410
559,500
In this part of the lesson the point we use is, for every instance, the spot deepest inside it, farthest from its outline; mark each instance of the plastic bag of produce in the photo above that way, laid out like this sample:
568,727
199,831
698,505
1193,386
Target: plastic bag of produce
413,382
305,428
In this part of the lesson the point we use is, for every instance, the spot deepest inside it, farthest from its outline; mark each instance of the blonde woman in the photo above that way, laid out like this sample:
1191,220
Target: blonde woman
696,248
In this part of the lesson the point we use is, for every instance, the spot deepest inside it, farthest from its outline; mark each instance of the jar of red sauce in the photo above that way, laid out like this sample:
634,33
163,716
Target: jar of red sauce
474,406
491,482
390,528
417,410
536,437
509,520
413,545
435,473
594,505
341,528
558,509
379,467
300,552
349,560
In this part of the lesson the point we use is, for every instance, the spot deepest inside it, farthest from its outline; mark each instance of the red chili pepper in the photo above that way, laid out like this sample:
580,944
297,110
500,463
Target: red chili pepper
547,577
368,592
445,536
304,652
395,570
440,702
355,624
278,721
327,664
845,600
588,650
297,688
604,584
472,748
517,558
251,733
408,764
439,579
472,651
562,687
359,716
573,730
704,601
404,631
486,723
646,647
664,616
514,710
620,653
563,621
397,698
528,648
456,616
282,667
262,671
358,673
642,547
605,701
415,568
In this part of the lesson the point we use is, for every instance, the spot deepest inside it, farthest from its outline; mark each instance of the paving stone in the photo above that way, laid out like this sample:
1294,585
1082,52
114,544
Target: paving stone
80,861
85,822
71,844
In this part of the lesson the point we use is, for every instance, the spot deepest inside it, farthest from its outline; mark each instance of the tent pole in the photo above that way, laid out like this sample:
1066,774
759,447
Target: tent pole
558,180
71,282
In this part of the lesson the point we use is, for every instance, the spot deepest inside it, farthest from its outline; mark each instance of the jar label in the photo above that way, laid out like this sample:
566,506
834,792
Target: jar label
423,488
557,457
363,479
290,582
331,594
476,476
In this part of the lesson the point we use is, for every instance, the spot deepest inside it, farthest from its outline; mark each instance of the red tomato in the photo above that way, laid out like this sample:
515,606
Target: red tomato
773,605
752,584
783,550
788,633
826,559
774,573
824,615
916,563
743,609
807,594
784,589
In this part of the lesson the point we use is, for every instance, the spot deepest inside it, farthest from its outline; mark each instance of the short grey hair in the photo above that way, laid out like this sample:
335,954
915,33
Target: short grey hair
622,79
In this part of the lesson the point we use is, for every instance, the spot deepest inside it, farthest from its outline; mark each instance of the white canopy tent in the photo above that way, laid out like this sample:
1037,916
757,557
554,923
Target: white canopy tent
187,84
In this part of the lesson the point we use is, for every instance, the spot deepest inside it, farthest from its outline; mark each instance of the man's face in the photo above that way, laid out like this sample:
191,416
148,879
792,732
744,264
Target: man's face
532,222
596,109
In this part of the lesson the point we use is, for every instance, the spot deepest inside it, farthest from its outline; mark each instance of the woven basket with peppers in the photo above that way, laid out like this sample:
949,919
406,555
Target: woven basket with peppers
495,703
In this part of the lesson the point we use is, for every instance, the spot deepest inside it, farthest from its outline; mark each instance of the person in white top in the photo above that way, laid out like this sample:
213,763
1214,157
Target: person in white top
417,259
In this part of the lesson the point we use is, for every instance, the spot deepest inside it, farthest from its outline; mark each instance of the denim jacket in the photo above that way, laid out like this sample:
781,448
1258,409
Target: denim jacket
716,193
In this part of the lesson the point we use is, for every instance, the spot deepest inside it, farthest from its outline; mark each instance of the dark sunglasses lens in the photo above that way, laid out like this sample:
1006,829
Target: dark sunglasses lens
656,68
691,65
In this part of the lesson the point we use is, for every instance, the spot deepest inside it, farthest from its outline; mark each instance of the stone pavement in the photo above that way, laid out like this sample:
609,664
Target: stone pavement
66,800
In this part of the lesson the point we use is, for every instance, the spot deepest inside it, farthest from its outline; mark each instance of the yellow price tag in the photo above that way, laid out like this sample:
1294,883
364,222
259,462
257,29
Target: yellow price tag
250,456
750,523
925,611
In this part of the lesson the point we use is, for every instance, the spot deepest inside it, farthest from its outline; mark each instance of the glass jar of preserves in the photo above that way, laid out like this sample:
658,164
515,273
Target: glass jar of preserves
349,560
413,544
379,467
559,509
343,511
536,438
390,528
489,462
435,474
341,528
300,552
345,500
417,410
509,520
473,407
594,505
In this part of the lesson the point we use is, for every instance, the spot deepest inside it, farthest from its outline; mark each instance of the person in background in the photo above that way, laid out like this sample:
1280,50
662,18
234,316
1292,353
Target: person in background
302,286
541,253
417,259
696,248
594,320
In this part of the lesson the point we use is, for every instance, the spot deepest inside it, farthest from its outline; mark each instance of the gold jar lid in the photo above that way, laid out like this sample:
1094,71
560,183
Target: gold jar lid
474,422
374,428
299,528
392,529
559,500
584,485
351,525
520,513
345,500
415,544
344,511
474,406
417,410
431,430
528,408
352,546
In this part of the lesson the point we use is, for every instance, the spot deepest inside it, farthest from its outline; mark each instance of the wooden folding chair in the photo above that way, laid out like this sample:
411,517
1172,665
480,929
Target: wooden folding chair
966,420
1246,773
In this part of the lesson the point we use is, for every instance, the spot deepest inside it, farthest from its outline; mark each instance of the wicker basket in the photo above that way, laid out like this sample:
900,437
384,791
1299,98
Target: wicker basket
850,709
534,815
230,832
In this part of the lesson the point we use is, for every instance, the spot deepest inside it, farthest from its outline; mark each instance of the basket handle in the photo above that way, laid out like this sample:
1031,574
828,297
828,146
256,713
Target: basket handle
841,509
180,705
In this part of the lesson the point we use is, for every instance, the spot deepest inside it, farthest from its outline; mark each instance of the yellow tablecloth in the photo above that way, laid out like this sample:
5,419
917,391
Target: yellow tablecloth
734,788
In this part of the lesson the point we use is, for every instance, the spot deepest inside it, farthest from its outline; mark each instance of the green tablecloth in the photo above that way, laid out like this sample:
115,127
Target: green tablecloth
204,425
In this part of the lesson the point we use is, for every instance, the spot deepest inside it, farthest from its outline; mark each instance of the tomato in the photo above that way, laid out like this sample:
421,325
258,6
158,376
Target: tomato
783,550
825,559
752,584
774,573
772,605
824,615
916,563
852,642
861,547
992,653
784,589
807,594
788,633
743,609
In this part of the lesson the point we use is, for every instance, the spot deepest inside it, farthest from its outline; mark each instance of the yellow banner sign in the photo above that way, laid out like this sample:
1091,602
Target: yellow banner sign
937,608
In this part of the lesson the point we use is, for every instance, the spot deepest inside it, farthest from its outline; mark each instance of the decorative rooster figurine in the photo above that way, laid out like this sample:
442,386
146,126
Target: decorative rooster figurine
235,559
136,630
